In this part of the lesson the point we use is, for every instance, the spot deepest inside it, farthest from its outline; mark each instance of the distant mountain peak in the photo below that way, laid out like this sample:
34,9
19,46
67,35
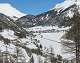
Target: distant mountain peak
9,10
66,4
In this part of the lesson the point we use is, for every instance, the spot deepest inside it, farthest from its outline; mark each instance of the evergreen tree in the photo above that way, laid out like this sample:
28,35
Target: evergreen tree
73,34
59,59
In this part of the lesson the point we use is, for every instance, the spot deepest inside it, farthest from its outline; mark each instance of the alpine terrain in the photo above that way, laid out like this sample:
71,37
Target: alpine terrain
49,37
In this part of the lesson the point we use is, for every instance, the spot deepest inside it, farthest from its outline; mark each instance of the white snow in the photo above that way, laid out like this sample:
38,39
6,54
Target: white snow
51,39
42,28
11,48
70,14
64,5
9,10
48,40
8,34
31,46
38,58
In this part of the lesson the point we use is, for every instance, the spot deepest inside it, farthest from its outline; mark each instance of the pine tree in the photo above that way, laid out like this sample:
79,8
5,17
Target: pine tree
74,35
59,59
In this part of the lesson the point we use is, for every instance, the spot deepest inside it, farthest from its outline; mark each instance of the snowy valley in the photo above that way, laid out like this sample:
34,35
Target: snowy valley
38,38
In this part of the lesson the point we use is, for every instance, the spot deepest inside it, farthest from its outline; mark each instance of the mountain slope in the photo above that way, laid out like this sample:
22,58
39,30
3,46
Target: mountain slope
47,22
12,36
63,5
10,11
50,25
59,16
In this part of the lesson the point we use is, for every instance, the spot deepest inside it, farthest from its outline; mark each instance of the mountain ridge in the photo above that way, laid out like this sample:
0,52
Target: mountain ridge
56,22
10,11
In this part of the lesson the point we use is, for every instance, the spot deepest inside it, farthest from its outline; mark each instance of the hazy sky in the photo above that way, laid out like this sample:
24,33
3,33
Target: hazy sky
32,6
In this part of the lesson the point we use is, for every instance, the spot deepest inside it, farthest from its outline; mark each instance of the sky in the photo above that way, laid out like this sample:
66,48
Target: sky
33,7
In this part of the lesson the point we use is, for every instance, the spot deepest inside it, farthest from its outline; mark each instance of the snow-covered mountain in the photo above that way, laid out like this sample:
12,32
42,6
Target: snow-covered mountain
49,26
63,6
52,24
59,15
10,11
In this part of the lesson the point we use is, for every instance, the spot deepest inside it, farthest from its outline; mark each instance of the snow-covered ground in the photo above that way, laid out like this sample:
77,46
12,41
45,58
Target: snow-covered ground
38,58
8,34
48,40
11,48
51,40
41,28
